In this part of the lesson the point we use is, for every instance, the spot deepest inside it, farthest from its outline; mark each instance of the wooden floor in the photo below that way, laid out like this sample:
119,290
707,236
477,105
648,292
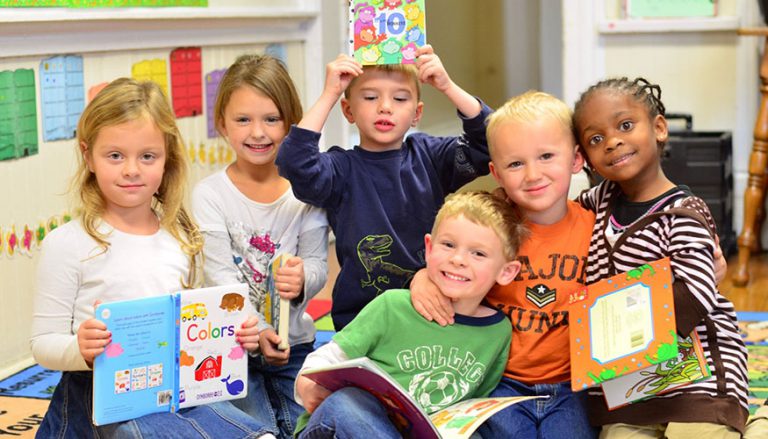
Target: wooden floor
754,296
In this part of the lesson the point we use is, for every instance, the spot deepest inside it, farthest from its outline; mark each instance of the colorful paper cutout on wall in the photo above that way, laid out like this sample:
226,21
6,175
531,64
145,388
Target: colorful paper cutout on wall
61,95
388,33
100,3
152,70
18,114
277,50
186,82
93,91
212,80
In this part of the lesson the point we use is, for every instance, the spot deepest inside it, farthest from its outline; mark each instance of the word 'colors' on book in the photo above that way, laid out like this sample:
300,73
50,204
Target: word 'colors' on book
169,352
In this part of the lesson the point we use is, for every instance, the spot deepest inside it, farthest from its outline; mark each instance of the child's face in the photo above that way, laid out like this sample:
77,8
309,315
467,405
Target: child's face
253,127
383,105
620,138
465,259
534,162
128,160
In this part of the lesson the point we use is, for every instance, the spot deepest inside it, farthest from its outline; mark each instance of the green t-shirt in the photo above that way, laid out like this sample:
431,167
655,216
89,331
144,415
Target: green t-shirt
438,365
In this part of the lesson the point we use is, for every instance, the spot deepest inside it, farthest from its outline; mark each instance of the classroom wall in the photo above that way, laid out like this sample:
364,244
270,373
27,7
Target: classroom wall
35,187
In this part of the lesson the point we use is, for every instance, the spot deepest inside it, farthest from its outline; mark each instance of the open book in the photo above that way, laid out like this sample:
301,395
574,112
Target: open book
459,420
276,309
386,32
169,352
689,366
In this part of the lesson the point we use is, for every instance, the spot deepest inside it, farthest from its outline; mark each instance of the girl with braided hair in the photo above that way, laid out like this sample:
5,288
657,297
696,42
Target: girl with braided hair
642,216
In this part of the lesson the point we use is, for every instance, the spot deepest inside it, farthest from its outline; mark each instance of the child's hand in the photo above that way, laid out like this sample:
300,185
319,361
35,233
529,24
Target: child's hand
248,334
289,279
431,70
339,73
92,338
311,393
429,301
268,341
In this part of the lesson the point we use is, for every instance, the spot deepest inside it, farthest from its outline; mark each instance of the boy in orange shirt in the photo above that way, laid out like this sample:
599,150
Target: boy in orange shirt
533,155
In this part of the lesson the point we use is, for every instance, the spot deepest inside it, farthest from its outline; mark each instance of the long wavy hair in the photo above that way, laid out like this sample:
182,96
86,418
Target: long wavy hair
125,100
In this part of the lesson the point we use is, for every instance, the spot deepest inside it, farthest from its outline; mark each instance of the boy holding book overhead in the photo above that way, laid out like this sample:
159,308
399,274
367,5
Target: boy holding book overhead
471,248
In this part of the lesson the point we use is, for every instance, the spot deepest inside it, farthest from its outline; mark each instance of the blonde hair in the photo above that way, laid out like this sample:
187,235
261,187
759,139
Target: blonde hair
125,100
268,76
409,70
487,210
529,107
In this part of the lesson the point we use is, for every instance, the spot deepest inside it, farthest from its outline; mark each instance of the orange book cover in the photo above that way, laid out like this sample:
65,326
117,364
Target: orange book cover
622,324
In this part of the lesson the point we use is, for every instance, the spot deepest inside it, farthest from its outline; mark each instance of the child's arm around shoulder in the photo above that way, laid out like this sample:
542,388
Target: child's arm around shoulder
307,392
432,72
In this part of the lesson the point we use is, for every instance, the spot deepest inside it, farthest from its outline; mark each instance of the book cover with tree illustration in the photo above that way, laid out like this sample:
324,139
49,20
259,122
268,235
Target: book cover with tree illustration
622,324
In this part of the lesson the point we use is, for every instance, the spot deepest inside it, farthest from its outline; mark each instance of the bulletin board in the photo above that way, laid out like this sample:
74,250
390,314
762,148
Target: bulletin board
43,93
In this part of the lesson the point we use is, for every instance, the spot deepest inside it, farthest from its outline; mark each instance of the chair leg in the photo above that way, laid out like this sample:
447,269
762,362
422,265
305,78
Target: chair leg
754,194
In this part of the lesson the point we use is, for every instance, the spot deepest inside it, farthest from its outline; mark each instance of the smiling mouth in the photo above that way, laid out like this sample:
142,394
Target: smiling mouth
384,124
455,277
258,148
537,188
621,159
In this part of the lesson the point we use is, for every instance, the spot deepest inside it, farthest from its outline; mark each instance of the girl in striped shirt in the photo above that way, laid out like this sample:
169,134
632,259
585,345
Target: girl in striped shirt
642,216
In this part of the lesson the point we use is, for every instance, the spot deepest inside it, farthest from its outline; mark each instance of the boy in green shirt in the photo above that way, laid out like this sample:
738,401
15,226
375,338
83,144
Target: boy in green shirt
472,247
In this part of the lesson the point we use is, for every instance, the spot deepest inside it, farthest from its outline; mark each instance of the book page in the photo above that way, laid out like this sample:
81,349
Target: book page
460,420
213,366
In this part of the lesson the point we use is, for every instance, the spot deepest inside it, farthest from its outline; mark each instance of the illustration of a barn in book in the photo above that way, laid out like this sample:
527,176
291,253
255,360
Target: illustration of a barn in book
208,368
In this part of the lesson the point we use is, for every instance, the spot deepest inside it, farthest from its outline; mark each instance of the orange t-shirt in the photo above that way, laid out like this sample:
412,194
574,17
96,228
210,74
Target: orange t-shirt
553,262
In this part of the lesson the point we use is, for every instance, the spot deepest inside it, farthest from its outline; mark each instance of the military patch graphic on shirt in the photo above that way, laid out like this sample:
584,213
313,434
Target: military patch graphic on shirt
540,295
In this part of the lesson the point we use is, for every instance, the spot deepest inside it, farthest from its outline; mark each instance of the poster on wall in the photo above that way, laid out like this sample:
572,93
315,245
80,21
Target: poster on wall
62,95
186,82
18,114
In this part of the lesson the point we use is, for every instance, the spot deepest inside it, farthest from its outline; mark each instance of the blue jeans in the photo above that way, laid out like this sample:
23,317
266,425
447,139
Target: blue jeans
69,416
563,414
270,392
350,413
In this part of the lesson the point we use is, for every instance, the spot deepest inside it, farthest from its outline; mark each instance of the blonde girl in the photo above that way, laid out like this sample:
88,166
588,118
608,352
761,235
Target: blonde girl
134,238
249,215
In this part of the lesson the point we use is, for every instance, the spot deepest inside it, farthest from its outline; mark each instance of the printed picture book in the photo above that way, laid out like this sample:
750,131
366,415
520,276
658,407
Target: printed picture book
622,325
688,366
169,352
276,309
458,421
386,31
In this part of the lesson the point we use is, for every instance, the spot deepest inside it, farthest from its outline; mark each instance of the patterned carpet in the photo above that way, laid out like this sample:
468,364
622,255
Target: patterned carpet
24,396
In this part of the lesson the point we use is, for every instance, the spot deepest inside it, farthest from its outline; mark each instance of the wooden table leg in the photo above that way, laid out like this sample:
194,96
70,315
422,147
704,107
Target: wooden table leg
754,195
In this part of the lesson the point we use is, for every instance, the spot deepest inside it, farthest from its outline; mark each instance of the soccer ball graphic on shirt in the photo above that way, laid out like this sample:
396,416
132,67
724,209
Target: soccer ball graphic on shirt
437,390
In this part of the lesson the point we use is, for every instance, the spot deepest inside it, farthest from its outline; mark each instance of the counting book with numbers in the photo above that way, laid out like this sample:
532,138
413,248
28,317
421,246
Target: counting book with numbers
169,352
386,31
622,324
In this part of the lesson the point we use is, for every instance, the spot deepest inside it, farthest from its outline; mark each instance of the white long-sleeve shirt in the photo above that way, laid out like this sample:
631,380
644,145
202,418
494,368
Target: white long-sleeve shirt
73,273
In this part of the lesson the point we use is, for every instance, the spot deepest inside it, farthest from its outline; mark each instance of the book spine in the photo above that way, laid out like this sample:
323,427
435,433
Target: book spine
176,304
